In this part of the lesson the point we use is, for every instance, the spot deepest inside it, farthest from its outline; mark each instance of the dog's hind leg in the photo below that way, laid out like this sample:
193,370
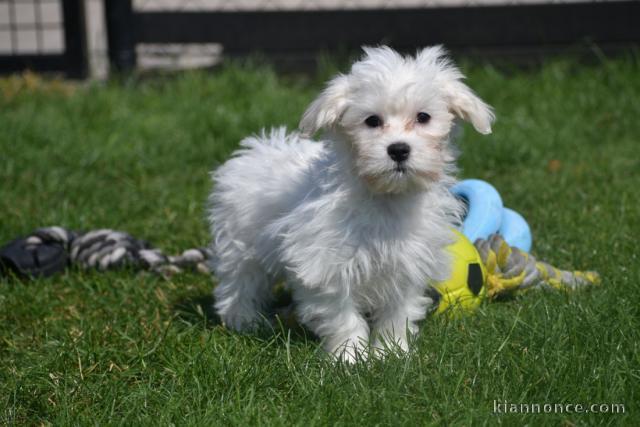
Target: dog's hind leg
242,296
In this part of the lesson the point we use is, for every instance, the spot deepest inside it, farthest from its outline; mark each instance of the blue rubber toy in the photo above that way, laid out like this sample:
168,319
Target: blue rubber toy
484,208
487,215
515,230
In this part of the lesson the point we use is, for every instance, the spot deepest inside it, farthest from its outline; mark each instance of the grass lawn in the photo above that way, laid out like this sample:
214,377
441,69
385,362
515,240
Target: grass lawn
131,348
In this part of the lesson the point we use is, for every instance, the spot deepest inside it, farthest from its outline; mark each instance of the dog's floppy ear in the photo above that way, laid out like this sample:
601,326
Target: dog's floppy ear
462,101
327,108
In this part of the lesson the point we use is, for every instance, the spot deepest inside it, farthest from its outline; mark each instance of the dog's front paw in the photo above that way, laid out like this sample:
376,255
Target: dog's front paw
240,318
383,345
350,351
240,323
393,337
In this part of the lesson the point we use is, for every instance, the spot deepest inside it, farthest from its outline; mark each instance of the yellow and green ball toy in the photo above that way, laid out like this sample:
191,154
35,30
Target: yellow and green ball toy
466,287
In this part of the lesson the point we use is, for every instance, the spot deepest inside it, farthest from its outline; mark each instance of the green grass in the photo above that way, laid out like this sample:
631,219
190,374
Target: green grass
131,348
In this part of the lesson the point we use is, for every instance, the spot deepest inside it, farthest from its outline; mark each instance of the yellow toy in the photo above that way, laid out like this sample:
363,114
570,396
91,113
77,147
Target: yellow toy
466,288
491,268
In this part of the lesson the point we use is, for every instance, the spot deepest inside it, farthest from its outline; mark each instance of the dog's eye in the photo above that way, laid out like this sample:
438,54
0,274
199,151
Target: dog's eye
423,117
373,121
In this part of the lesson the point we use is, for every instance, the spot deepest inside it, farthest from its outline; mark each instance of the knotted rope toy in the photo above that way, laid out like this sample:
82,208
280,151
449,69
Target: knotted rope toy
509,269
51,249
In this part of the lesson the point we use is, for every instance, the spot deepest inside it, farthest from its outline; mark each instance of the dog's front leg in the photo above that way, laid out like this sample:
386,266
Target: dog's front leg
396,323
333,316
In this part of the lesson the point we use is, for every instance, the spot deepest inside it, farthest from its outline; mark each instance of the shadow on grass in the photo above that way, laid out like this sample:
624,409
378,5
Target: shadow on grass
280,320
195,309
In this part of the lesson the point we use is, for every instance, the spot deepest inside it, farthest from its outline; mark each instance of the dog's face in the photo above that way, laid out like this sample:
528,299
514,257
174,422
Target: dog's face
397,112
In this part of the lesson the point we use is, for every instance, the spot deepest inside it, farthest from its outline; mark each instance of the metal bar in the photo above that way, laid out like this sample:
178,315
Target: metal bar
120,34
74,38
42,63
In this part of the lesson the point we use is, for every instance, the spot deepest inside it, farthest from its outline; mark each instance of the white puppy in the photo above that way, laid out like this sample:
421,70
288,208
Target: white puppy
356,223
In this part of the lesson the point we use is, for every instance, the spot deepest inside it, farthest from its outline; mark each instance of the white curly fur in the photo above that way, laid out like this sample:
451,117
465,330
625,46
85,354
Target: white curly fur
356,235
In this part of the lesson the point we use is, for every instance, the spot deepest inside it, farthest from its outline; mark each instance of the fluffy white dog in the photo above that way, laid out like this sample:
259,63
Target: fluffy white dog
356,223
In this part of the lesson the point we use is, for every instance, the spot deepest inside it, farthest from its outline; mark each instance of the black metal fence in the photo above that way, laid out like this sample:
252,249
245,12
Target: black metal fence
43,35
519,27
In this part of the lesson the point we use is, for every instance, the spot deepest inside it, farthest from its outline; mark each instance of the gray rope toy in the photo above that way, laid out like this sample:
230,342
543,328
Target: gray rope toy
102,249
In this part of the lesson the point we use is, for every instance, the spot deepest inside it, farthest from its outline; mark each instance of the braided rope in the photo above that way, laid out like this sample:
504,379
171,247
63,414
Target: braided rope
509,270
106,249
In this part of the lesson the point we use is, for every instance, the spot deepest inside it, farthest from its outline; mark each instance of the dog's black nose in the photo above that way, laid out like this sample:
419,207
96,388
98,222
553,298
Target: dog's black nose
399,151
